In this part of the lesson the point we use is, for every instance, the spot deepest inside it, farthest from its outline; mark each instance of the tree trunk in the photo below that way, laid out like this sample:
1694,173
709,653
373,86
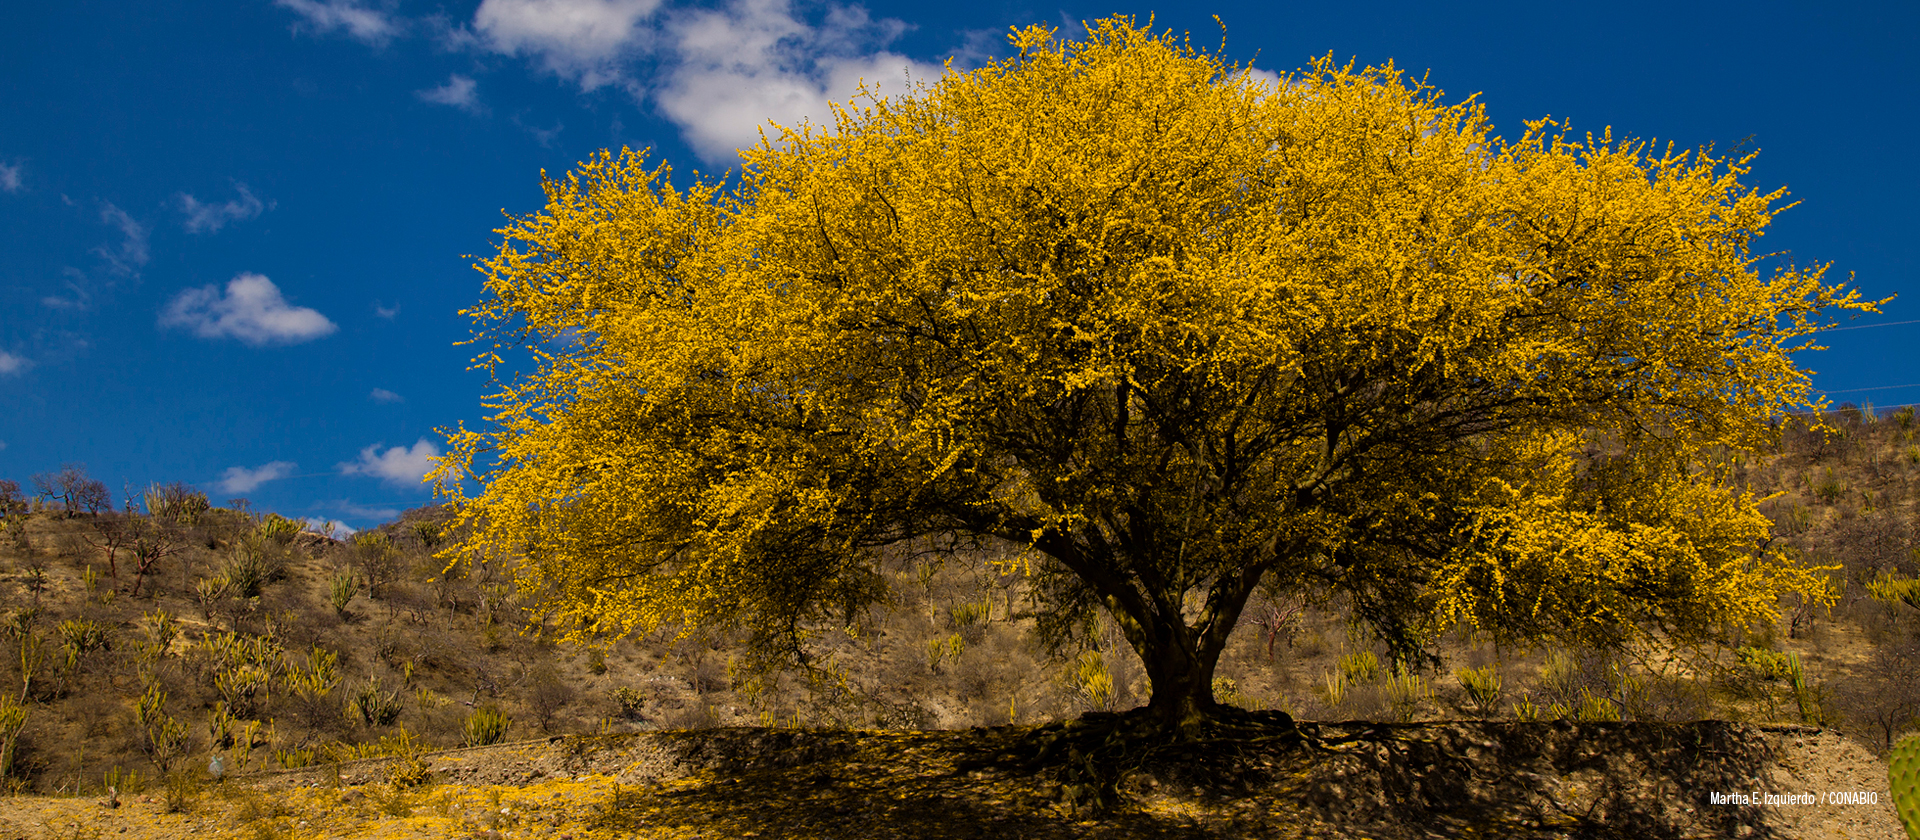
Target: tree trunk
1180,659
1182,682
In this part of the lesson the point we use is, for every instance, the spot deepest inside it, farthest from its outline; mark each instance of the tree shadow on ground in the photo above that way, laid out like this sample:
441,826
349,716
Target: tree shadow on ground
1458,779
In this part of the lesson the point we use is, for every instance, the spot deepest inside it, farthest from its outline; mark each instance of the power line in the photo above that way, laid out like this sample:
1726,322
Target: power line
1874,388
1871,326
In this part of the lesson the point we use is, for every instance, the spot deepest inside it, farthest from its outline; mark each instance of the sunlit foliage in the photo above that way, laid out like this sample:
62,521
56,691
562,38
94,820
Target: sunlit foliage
1179,330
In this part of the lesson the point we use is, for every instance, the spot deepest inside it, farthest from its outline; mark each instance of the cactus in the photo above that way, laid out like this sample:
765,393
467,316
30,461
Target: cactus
1483,688
1903,777
278,528
371,706
1892,588
177,502
485,726
341,588
1094,681
1362,667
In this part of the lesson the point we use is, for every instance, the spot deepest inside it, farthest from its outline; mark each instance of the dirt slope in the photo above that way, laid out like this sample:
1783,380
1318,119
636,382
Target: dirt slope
1456,779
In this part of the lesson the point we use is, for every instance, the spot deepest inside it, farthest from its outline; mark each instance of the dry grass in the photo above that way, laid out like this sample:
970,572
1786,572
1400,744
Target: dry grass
954,651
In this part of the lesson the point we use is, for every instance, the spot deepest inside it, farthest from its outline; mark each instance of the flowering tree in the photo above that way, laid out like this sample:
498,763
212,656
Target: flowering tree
1175,329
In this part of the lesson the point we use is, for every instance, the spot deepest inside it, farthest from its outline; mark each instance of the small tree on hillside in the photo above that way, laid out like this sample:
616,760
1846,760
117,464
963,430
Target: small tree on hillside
74,489
92,497
1175,330
151,540
11,501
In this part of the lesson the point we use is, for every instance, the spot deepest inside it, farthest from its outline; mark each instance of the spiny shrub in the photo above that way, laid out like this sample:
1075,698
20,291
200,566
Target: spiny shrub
1093,681
1333,689
371,706
486,725
278,528
1483,688
1362,667
13,718
183,789
177,502
1829,487
121,780
629,702
254,564
1405,692
428,533
1763,665
341,588
1228,693
1893,589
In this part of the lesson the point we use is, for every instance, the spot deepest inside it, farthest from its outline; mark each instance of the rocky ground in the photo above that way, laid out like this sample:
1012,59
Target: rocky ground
1346,780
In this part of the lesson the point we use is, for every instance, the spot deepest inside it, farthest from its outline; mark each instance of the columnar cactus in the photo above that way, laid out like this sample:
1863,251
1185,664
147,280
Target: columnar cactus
1903,776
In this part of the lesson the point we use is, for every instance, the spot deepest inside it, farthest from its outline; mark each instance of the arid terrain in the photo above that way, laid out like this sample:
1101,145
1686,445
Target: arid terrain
354,686
1452,779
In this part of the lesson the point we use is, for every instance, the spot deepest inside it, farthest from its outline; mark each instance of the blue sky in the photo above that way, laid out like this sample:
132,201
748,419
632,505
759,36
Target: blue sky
238,233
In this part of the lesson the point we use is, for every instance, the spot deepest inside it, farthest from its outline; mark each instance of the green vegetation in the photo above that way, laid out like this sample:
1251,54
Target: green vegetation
1903,776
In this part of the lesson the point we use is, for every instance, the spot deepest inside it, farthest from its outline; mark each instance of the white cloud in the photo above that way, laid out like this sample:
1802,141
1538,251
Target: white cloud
9,178
365,511
205,218
252,310
399,464
458,92
327,527
243,480
382,395
370,26
575,39
754,61
387,312
1266,78
720,74
11,364
131,255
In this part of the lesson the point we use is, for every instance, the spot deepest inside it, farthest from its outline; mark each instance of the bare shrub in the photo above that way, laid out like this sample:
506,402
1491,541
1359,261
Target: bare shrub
547,694
1884,698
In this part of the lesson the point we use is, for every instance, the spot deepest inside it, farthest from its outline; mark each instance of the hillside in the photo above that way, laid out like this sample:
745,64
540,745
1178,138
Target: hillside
143,641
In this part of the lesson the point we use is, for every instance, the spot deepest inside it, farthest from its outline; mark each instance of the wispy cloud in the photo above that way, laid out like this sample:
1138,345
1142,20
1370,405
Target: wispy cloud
243,480
459,92
583,40
543,136
397,465
128,257
10,177
76,282
382,395
11,364
209,218
252,310
360,511
386,312
364,24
